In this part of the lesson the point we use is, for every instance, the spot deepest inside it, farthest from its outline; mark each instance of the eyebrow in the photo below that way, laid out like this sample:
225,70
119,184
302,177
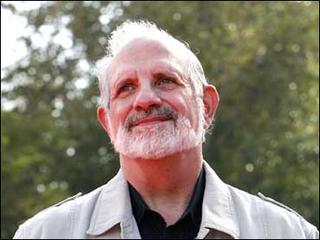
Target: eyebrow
167,69
124,76
129,75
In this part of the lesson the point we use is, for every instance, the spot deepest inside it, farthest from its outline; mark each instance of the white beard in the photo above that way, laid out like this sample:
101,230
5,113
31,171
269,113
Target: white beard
159,140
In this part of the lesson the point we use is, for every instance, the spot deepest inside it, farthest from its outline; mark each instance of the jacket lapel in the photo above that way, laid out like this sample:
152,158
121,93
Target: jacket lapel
112,216
218,213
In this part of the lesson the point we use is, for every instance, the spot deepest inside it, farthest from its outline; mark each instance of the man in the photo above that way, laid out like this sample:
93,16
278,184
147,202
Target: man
156,107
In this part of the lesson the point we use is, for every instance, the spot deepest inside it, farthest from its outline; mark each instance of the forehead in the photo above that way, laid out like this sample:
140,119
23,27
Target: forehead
144,55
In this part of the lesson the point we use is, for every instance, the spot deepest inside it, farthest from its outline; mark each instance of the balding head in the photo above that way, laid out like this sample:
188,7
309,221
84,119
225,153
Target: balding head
130,31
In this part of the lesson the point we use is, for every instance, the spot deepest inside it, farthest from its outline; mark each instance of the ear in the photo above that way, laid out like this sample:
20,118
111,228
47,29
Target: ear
104,121
210,102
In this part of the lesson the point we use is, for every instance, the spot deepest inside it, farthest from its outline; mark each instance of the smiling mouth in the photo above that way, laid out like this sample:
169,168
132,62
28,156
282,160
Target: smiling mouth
151,120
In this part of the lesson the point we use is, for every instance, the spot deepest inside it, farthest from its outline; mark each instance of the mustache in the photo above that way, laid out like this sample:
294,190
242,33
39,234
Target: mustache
153,111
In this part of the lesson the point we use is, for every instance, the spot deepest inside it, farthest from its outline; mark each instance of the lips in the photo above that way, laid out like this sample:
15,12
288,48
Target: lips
151,120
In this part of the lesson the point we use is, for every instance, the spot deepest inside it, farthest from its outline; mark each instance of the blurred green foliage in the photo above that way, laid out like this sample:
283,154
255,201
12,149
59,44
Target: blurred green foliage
263,57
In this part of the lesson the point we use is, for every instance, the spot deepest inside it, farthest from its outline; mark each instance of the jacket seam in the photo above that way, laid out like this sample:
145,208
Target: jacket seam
231,210
72,220
264,219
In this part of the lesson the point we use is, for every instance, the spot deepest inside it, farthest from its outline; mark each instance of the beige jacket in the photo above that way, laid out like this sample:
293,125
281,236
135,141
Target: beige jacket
227,212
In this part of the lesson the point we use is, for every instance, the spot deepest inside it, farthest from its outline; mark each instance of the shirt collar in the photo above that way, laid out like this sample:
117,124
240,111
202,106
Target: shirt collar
194,207
139,206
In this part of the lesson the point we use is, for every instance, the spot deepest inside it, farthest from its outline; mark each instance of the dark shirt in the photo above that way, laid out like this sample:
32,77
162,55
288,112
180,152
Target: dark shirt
152,225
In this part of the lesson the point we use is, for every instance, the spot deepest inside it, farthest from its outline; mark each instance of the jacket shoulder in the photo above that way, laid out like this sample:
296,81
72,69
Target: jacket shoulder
308,230
56,220
274,218
271,200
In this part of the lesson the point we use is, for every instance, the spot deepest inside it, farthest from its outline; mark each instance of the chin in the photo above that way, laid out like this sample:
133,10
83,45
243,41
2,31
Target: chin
150,156
152,149
158,142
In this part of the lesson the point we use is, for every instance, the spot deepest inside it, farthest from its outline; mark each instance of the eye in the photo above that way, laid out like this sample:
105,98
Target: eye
126,88
164,81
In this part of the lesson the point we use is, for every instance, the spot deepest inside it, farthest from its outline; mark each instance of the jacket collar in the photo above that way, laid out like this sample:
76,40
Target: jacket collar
114,207
218,210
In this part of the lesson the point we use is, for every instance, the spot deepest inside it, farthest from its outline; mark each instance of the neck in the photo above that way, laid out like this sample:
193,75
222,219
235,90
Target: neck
165,184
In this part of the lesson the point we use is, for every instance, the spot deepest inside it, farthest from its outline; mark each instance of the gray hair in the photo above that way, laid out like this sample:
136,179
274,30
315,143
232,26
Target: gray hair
131,30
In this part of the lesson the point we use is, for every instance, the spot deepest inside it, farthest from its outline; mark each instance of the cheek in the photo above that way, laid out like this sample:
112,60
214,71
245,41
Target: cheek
184,104
191,111
119,112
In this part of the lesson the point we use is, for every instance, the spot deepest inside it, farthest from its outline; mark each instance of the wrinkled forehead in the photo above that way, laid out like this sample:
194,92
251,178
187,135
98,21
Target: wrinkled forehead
145,53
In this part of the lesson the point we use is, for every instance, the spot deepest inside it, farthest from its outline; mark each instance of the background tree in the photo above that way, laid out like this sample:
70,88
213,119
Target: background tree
263,58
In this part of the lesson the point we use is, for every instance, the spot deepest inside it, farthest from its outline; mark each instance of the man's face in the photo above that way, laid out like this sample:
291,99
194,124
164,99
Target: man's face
153,111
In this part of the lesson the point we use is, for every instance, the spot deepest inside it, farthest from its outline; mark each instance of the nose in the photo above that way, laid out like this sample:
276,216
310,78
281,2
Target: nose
146,99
